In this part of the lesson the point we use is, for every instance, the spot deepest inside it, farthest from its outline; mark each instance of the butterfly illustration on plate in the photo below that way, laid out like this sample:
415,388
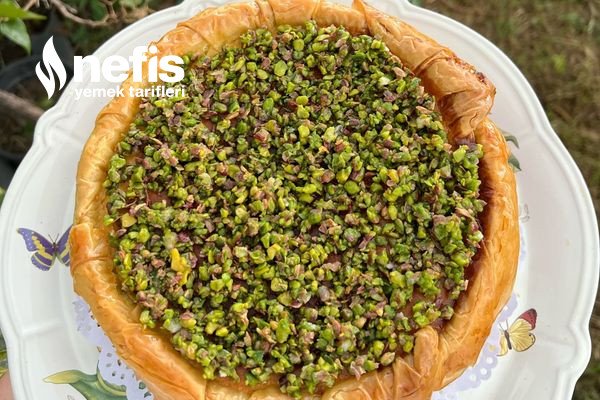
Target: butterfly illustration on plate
518,336
46,251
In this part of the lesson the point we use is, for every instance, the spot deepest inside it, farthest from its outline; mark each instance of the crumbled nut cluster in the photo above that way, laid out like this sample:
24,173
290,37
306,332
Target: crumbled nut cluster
299,214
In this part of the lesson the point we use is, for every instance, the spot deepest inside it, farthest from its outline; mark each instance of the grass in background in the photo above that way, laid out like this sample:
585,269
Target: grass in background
556,43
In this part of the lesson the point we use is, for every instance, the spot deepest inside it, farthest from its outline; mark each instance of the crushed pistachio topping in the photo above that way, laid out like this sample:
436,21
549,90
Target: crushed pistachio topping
299,215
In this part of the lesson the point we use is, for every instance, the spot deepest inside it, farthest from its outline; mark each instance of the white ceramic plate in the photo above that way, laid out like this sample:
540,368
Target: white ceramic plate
558,279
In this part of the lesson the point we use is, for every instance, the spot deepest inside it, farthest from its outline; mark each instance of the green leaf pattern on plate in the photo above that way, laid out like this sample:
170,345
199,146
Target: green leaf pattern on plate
92,387
3,357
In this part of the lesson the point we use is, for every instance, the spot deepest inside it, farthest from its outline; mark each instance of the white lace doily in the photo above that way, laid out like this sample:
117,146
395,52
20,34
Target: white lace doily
488,358
115,371
487,361
111,368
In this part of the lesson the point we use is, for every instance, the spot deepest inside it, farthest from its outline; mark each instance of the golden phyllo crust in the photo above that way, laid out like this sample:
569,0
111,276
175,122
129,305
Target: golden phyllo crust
463,97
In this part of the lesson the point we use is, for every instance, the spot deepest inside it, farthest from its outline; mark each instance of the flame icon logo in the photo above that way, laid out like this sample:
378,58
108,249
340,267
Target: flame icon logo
53,65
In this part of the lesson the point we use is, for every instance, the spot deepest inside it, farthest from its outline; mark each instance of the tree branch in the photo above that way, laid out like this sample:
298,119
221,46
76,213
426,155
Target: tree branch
66,12
30,4
112,16
17,105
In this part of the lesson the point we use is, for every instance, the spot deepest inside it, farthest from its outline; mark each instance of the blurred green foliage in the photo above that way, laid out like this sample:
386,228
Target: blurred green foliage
12,23
118,15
